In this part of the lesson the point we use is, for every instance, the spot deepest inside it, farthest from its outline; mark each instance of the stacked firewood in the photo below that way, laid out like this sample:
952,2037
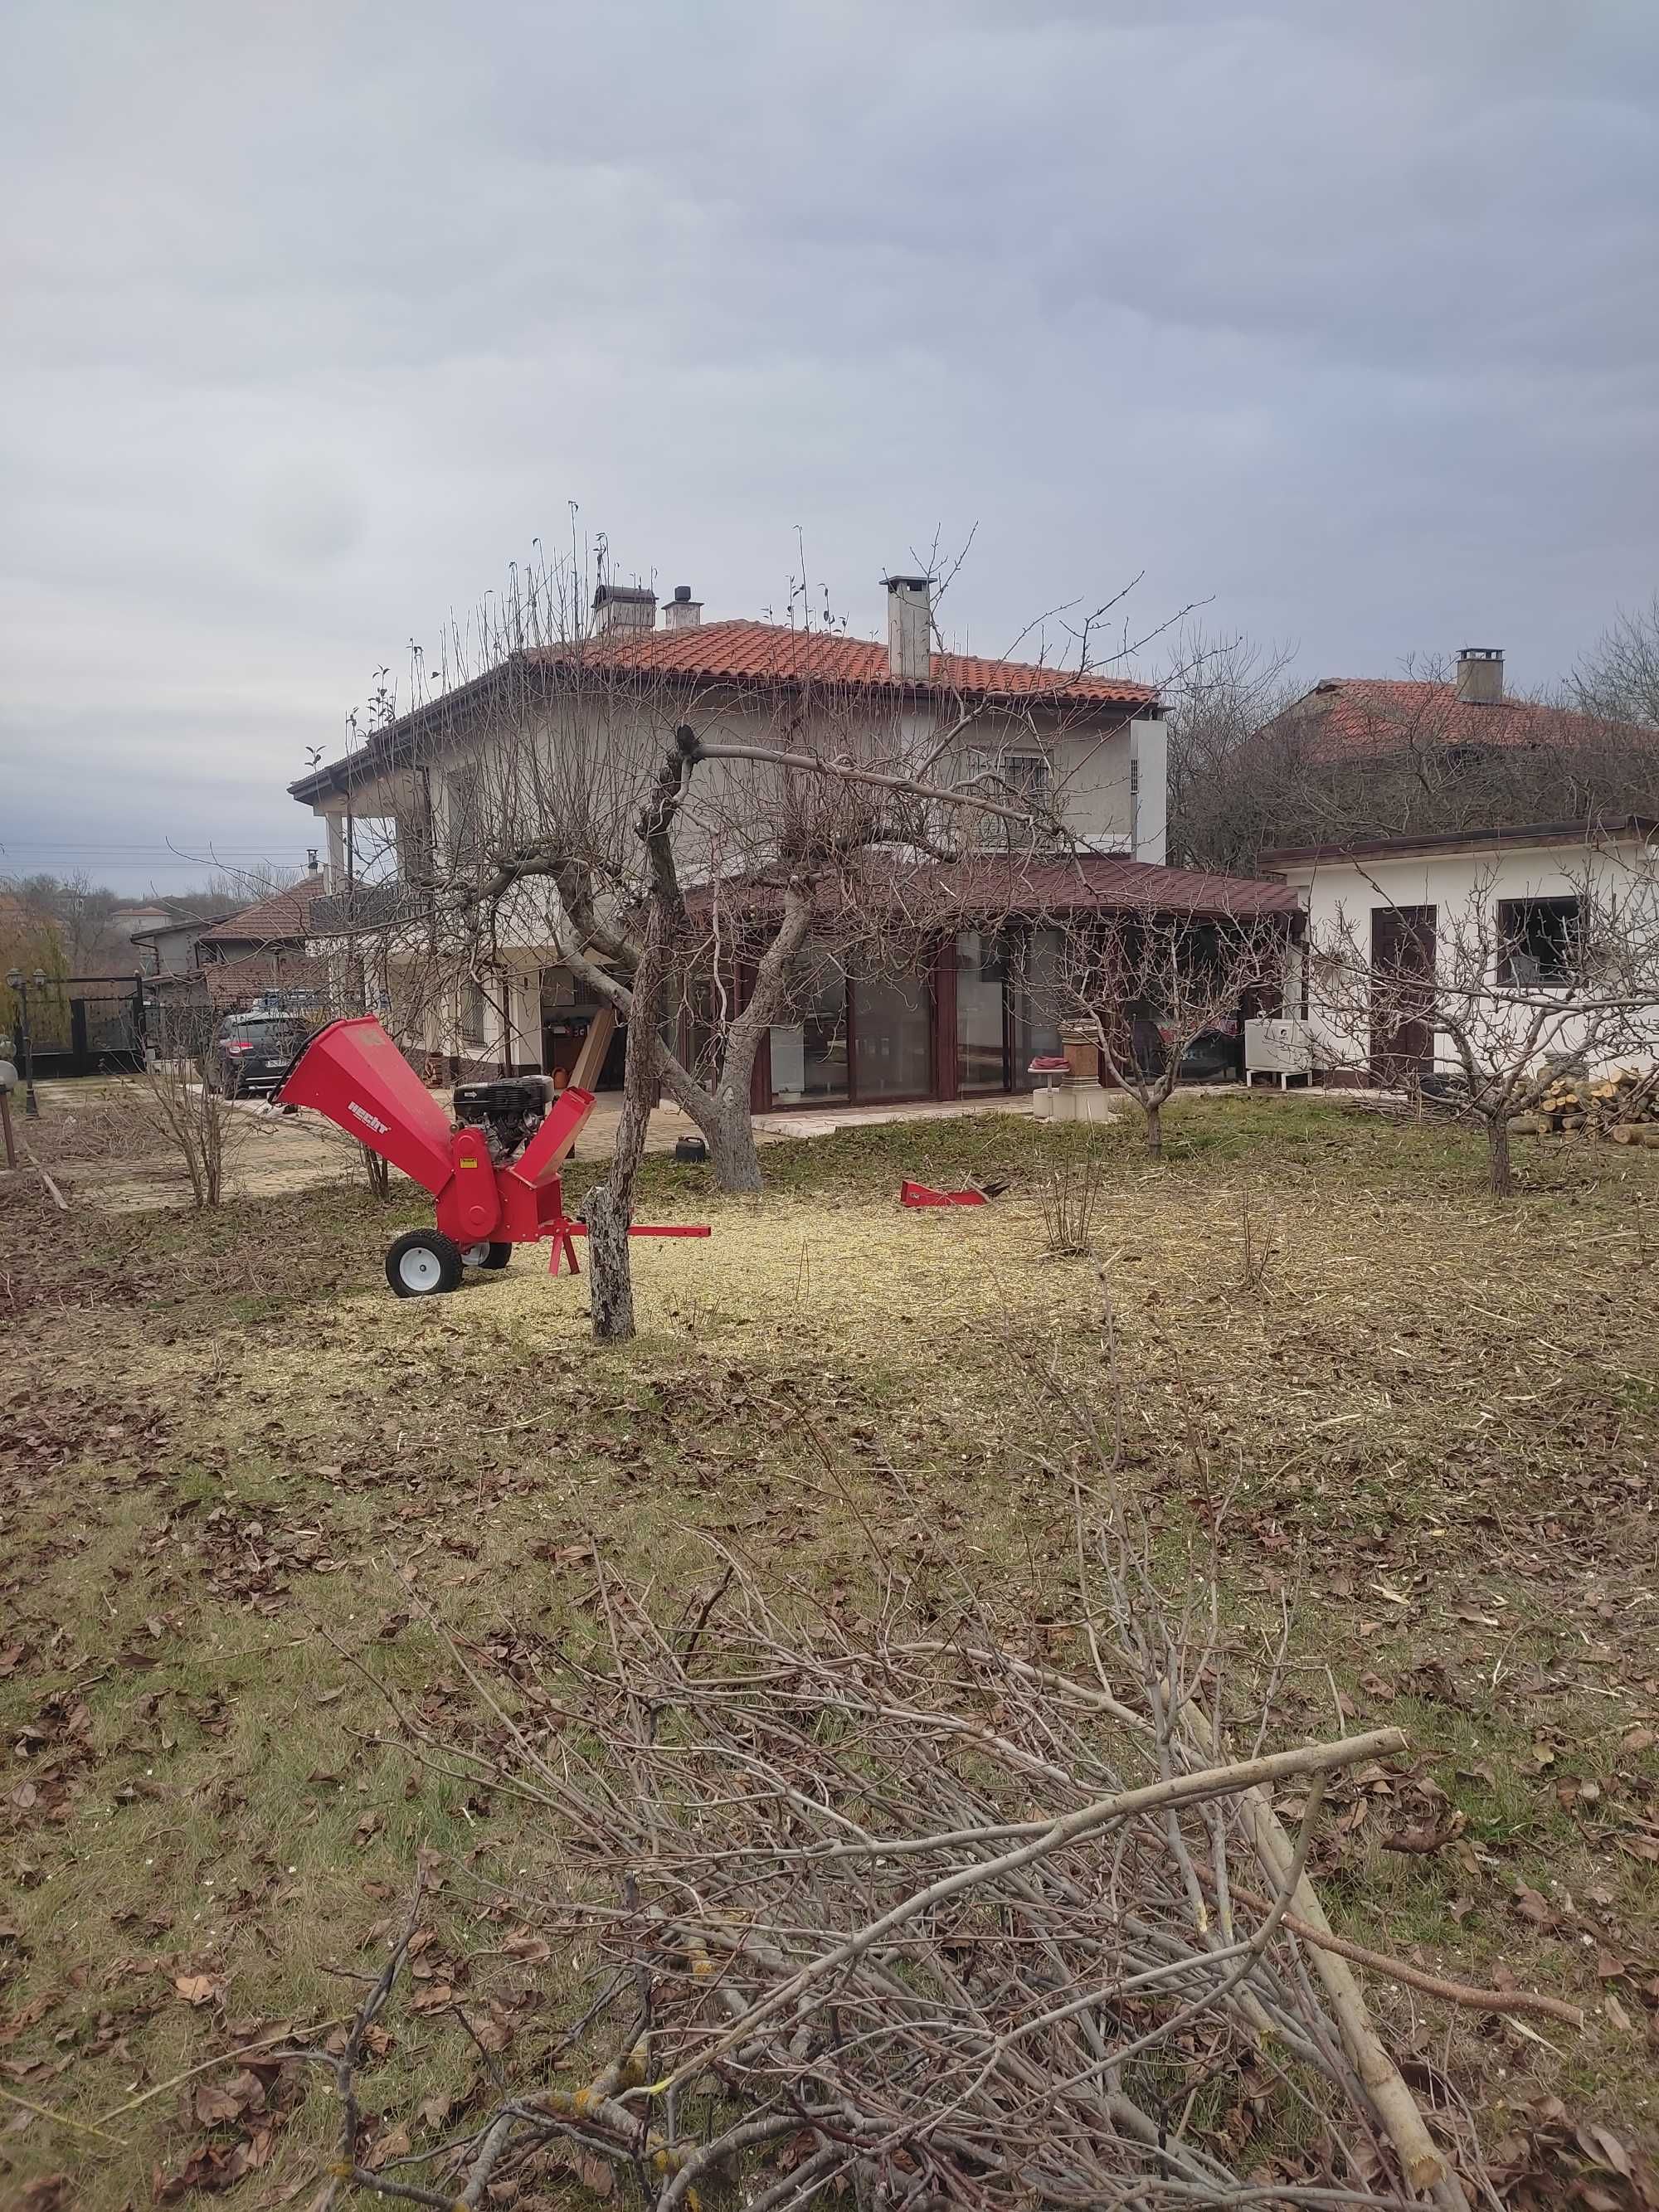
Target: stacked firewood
1622,1105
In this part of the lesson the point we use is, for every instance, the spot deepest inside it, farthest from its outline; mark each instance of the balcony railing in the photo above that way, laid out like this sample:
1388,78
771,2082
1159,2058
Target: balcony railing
369,906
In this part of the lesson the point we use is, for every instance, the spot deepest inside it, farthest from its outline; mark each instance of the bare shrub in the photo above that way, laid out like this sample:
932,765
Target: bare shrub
378,1172
1071,1194
199,1127
1257,1250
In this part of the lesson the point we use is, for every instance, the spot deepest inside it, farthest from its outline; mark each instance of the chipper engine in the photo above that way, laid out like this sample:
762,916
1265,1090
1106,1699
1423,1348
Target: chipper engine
509,1110
494,1173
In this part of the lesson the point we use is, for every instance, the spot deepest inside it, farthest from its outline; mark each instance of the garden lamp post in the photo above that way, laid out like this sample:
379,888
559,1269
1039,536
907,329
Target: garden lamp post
19,985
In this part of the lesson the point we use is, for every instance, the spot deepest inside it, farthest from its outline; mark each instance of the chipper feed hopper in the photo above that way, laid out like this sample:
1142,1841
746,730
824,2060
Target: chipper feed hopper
493,1172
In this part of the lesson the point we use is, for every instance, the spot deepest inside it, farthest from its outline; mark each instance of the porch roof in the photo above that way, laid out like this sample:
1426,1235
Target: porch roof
1021,884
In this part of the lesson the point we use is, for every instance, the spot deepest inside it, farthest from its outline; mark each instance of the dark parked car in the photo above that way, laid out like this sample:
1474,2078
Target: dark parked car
1213,1057
252,1052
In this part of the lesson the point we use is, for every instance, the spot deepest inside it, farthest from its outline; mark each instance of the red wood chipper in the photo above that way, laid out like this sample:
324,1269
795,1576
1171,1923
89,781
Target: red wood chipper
494,1173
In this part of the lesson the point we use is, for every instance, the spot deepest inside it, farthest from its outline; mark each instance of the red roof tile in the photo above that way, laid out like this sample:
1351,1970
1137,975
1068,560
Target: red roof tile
768,653
278,919
756,655
949,893
1367,717
1111,882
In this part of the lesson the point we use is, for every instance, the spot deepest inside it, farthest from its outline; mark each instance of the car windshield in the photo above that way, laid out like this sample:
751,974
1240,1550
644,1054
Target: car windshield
269,1036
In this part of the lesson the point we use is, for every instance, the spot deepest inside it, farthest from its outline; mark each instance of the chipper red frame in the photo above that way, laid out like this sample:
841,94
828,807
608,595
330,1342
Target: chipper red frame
494,1174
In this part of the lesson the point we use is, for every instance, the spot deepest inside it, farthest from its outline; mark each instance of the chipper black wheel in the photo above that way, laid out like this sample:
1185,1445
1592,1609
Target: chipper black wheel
423,1261
486,1256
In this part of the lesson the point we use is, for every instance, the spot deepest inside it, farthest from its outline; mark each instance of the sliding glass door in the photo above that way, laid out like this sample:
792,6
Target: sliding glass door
857,1038
981,1012
810,1053
1007,1006
893,1036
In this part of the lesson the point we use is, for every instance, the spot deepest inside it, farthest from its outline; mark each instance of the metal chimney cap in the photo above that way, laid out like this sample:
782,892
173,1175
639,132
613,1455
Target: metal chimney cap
682,594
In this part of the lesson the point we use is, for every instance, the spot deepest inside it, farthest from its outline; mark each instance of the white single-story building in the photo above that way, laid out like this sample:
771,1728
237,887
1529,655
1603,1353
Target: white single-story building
1497,922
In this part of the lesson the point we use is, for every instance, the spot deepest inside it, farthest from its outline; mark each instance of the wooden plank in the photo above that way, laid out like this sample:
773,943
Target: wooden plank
584,1076
57,1195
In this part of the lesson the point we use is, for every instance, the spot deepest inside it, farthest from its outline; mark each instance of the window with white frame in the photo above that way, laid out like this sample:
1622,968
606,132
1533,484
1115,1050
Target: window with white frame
1024,773
475,1011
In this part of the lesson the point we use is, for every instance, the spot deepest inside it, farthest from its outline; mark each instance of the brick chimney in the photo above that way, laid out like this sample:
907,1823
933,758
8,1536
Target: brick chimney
1480,675
622,607
681,611
909,628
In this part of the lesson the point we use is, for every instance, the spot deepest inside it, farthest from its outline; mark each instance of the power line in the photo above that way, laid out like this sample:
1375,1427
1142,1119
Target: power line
238,851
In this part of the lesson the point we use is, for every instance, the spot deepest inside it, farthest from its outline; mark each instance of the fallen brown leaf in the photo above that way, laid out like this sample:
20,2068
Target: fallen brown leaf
199,1989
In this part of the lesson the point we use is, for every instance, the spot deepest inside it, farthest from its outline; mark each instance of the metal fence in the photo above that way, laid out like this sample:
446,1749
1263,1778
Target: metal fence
86,1025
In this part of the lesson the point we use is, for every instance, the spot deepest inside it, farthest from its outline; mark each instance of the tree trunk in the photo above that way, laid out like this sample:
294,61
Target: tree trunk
1498,1154
725,1114
610,1277
609,1206
730,1130
1155,1130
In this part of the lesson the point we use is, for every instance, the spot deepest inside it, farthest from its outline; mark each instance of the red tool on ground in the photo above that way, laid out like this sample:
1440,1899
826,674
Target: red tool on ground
921,1194
494,1174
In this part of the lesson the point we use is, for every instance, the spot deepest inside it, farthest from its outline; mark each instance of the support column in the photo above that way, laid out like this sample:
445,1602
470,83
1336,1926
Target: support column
943,965
335,824
523,1043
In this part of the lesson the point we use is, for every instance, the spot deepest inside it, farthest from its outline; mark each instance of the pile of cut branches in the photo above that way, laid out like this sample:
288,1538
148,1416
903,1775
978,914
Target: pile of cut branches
899,1910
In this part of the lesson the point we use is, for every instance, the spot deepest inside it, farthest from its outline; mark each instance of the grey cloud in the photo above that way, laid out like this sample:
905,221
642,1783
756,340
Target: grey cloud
1343,317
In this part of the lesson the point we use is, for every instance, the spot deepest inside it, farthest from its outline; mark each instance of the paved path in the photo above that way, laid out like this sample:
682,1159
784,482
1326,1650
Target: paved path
668,1123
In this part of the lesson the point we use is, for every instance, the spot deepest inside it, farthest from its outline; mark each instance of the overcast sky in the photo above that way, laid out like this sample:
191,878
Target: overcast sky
1343,317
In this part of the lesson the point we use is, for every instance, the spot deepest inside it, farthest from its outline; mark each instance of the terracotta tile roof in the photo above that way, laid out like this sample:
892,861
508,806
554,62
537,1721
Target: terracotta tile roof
1111,884
758,656
952,894
278,919
768,653
1367,717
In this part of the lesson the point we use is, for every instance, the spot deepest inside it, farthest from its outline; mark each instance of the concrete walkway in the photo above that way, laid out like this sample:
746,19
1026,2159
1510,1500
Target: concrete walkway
669,1124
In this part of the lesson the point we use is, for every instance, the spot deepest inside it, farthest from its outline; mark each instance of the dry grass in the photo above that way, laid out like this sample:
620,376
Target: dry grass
223,1443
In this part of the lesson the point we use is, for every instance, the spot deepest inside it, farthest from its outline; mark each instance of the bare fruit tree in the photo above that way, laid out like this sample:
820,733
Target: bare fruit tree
1499,994
1146,986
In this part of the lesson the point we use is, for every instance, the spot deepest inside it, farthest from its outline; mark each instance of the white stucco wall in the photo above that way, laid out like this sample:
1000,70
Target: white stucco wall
1148,742
1334,890
1104,801
1091,781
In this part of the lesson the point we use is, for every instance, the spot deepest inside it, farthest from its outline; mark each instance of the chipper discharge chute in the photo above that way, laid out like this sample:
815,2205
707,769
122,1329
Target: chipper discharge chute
493,1172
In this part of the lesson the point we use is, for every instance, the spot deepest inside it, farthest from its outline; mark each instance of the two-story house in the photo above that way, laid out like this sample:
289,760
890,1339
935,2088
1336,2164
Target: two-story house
1091,747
